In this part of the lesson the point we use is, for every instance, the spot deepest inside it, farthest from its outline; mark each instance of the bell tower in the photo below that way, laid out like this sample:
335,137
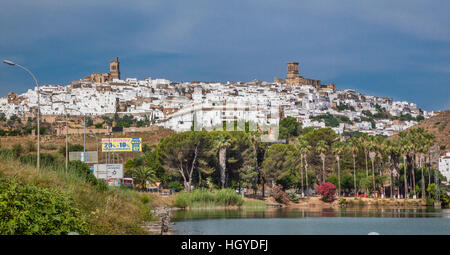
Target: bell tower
114,70
292,70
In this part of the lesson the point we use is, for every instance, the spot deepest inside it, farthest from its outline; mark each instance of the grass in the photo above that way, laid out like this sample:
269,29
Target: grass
254,204
113,210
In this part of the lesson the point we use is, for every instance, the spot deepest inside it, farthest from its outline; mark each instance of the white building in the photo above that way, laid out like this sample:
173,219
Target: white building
444,166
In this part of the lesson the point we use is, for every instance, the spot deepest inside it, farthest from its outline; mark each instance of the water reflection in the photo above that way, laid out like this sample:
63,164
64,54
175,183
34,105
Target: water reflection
181,215
334,221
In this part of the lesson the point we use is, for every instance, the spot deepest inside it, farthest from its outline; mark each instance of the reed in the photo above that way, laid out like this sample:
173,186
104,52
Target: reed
204,199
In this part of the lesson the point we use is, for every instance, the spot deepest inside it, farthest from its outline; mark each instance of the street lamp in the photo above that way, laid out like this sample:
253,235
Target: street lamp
8,62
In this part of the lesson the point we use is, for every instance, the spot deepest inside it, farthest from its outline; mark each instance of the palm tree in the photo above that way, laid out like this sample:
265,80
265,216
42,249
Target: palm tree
339,148
425,141
419,144
304,148
142,175
354,147
392,150
429,142
221,144
299,147
414,137
372,147
381,151
322,148
364,142
405,147
254,141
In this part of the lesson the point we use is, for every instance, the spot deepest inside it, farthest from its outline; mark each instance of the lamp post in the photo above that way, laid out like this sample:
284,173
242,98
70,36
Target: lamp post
8,62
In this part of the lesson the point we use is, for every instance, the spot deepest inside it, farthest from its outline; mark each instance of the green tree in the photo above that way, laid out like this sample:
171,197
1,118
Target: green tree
354,148
250,167
181,153
322,148
280,161
289,127
364,143
221,144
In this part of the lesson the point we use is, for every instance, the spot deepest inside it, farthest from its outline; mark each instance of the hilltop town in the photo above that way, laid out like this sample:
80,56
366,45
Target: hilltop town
178,105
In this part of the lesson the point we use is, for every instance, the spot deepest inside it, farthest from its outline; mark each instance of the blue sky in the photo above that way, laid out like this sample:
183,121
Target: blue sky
399,49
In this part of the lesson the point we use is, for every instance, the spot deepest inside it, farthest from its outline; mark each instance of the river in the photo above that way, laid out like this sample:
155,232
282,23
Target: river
284,221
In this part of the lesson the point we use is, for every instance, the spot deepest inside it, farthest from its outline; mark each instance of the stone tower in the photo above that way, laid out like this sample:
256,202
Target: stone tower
114,70
292,70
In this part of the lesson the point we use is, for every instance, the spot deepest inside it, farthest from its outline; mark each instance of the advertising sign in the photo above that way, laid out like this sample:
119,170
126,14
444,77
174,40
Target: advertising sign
108,171
113,181
86,157
121,144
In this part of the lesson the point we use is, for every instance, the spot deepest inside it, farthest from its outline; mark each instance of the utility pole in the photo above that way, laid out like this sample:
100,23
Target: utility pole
67,141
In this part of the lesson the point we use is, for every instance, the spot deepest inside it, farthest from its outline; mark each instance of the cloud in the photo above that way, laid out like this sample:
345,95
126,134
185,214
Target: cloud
230,40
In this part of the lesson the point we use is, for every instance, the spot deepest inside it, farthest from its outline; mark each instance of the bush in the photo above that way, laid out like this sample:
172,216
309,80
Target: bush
293,197
343,202
26,209
279,195
176,186
30,146
145,199
72,147
203,198
227,197
46,160
82,170
17,150
327,190
48,147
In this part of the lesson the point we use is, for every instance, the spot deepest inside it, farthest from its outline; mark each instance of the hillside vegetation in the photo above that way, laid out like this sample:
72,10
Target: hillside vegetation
30,200
439,126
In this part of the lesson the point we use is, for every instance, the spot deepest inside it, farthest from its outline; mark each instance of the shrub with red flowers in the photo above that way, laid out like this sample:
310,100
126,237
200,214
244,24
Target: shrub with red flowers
327,190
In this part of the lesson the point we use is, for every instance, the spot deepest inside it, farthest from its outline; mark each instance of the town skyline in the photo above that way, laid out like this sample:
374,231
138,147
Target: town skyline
66,83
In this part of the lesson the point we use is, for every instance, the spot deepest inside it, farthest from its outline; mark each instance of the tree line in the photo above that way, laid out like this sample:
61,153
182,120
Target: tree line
372,165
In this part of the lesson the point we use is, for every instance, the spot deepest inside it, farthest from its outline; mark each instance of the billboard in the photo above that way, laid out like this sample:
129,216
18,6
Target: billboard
121,144
86,157
108,171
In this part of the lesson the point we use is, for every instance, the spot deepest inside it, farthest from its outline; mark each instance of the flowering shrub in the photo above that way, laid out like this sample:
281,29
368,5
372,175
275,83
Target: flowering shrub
279,195
327,190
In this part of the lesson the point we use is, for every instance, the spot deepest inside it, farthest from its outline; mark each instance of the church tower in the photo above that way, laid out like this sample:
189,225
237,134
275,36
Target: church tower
292,70
114,70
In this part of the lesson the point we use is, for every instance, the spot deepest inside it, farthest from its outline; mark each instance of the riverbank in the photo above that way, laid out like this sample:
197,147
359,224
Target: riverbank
305,203
316,202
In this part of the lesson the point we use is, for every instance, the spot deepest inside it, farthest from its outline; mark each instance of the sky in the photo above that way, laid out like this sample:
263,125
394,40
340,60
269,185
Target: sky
398,49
